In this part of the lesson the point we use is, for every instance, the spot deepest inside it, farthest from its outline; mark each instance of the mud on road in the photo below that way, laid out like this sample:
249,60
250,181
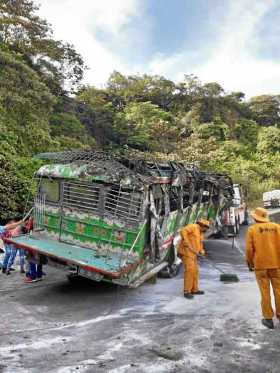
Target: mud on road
55,326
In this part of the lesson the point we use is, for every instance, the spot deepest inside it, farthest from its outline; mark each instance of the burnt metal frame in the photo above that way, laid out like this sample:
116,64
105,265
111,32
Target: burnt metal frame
123,204
152,167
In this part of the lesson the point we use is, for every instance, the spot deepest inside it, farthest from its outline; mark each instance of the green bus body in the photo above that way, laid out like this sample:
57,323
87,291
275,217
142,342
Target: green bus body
105,221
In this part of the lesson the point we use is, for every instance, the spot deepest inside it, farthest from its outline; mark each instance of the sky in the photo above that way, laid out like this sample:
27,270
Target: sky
232,42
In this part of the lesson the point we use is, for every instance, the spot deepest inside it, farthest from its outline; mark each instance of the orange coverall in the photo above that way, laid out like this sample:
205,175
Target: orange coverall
263,254
189,247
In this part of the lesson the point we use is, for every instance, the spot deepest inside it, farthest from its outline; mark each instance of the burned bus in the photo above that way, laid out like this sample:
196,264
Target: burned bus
114,219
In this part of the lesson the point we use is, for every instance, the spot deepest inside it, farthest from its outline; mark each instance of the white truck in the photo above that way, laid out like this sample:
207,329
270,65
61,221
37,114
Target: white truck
271,199
236,214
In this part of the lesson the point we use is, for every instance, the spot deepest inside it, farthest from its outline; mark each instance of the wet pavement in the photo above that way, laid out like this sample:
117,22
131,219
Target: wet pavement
55,326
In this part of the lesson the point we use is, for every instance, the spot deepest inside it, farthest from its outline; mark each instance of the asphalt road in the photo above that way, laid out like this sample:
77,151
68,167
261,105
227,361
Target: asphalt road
55,326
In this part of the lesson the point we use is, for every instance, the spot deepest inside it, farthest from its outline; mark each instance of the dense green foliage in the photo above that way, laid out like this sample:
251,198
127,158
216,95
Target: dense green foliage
34,71
43,108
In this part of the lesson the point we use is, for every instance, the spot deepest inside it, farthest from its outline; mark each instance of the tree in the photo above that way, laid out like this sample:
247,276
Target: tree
16,184
246,132
216,129
196,150
25,33
265,109
212,90
146,127
134,88
70,132
186,94
96,111
25,106
268,140
63,124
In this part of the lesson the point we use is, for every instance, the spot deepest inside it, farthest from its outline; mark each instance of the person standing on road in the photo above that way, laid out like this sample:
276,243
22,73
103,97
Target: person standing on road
263,257
35,272
35,268
5,230
11,250
189,249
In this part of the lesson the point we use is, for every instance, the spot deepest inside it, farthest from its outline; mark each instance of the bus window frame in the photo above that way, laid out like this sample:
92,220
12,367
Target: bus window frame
41,191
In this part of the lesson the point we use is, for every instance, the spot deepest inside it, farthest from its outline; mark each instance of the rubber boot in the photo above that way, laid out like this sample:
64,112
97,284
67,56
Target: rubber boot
198,292
268,323
188,295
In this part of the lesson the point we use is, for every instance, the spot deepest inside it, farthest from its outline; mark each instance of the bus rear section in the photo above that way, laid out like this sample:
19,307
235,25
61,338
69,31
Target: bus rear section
91,228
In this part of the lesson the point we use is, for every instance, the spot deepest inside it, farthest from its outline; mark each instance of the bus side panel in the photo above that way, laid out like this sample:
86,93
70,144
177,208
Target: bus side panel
89,231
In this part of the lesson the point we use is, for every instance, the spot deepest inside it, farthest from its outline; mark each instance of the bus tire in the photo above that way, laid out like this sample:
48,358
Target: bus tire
224,232
169,271
237,226
246,218
73,278
172,269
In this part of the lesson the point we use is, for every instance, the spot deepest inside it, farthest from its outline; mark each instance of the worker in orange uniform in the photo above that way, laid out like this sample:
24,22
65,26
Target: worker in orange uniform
263,256
189,249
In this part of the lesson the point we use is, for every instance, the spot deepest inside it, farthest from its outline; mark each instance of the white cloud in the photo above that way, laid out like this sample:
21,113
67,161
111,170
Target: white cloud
232,59
78,22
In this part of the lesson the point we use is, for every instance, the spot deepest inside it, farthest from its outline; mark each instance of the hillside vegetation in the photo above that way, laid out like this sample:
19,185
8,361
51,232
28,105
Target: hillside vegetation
44,107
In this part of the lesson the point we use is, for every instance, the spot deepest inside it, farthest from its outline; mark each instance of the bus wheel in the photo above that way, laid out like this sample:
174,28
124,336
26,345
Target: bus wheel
224,232
170,271
237,226
173,267
246,219
219,234
73,278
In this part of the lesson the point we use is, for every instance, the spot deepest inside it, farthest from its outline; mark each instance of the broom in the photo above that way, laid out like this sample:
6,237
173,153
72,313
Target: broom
224,277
